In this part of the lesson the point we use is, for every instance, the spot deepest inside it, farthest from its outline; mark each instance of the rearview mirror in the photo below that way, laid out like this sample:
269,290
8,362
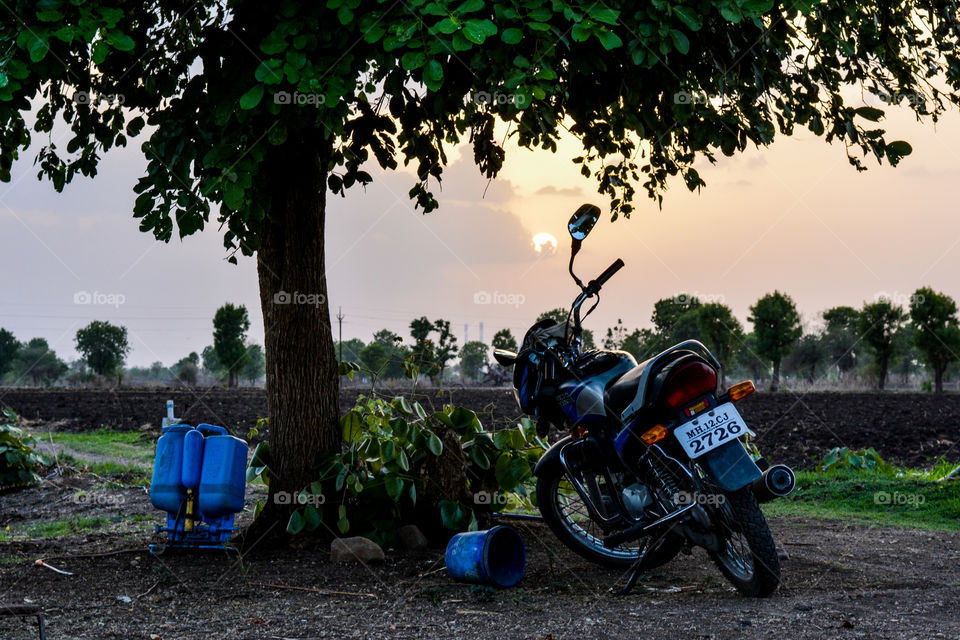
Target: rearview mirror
582,221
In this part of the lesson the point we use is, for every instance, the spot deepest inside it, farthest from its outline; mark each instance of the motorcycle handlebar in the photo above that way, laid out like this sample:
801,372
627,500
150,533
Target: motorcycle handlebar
601,280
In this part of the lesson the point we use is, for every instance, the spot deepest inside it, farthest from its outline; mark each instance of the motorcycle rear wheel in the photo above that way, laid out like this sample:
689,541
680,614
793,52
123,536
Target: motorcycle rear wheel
749,557
568,518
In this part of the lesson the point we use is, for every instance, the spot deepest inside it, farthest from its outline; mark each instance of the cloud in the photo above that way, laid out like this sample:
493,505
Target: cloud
551,190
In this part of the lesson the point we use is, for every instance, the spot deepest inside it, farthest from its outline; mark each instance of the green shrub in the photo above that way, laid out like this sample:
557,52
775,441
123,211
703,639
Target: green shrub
18,460
840,458
392,461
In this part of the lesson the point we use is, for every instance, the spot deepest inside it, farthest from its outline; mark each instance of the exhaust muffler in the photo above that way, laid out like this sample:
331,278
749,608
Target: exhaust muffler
776,482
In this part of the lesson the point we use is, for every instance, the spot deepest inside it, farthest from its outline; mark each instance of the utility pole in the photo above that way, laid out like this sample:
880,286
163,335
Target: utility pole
340,325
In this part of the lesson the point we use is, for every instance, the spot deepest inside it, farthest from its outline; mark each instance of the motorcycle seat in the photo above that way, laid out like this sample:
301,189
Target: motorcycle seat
624,389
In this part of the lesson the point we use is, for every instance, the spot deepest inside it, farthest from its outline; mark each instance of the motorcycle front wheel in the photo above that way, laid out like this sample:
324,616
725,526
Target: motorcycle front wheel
569,519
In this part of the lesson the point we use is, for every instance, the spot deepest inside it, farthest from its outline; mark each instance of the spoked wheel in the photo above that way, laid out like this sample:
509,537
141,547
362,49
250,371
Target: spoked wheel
568,517
749,556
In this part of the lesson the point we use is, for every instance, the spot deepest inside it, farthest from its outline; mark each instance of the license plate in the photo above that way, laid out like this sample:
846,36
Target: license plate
710,430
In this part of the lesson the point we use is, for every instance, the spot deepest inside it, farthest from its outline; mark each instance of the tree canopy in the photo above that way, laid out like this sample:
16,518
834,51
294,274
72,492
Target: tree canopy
250,113
230,325
103,346
776,325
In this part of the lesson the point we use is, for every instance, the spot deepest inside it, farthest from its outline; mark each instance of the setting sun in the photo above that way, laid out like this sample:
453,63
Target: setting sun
544,243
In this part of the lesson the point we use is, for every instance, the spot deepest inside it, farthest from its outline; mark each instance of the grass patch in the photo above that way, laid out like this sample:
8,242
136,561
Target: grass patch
130,474
127,445
894,497
72,526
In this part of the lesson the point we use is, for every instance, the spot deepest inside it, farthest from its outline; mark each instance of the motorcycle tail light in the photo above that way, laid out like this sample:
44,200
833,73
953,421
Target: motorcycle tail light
689,382
654,435
741,390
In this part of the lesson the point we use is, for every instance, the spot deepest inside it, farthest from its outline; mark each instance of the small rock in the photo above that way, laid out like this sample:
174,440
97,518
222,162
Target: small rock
356,549
411,537
125,599
154,637
782,554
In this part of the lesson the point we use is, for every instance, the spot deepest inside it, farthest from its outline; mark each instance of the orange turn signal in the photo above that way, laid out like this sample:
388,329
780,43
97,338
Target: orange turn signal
741,390
656,434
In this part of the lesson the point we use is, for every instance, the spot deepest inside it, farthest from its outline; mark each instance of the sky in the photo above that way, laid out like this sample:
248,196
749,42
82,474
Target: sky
795,217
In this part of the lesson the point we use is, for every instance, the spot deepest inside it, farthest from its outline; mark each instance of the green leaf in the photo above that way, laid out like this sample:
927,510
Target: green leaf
434,444
394,486
351,425
120,41
609,39
680,41
447,26
233,195
601,13
312,517
413,60
511,35
38,48
452,514
689,17
870,113
252,98
900,148
580,33
388,451
402,460
479,457
433,75
295,524
420,410
476,31
403,406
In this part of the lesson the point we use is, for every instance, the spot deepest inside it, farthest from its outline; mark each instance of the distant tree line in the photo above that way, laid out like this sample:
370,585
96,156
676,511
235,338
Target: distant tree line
103,349
852,348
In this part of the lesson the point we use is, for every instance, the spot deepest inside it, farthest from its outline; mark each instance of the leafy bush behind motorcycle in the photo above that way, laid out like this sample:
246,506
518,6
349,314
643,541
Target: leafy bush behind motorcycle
18,460
386,476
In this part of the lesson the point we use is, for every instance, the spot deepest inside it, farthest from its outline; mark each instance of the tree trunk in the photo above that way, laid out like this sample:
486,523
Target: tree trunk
301,369
883,374
775,383
938,379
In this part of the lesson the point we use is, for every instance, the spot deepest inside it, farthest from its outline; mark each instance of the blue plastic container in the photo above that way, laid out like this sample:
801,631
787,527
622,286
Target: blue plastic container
223,479
496,556
167,493
192,459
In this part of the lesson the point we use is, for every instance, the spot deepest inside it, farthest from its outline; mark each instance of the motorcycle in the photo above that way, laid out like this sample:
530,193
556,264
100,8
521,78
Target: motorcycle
653,463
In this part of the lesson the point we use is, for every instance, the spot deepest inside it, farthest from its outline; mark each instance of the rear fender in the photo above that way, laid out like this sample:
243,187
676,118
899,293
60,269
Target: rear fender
730,466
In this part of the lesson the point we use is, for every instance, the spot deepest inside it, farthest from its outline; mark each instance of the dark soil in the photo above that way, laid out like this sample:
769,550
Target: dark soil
839,581
906,428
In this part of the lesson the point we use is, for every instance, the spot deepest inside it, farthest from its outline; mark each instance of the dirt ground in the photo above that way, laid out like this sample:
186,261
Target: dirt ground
911,429
839,581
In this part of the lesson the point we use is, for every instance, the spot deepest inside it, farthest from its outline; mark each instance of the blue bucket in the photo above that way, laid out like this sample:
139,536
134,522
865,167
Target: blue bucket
495,556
